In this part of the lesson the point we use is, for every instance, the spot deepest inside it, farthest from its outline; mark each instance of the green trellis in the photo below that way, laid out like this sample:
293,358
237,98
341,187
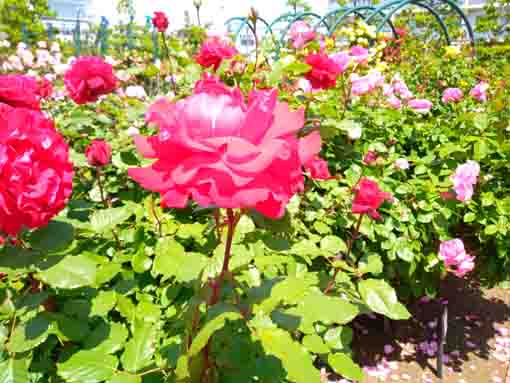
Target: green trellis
379,16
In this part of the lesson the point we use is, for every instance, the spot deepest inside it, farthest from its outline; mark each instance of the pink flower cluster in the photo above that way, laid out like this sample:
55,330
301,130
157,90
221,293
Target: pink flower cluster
479,92
453,254
464,179
361,85
452,95
300,33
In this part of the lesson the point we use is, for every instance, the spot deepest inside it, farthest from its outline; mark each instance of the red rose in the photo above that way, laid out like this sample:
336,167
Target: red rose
88,78
369,198
213,51
318,168
218,150
45,88
160,21
35,172
98,153
20,91
324,71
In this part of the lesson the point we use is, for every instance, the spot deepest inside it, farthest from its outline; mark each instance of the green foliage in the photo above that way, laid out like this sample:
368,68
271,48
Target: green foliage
18,14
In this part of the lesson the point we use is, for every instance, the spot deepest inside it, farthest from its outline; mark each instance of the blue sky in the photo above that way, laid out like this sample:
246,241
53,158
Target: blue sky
216,11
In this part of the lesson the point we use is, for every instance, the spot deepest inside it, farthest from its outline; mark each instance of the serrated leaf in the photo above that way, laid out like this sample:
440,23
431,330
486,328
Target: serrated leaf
315,344
54,237
107,219
380,297
87,367
333,244
343,365
27,336
103,303
317,307
14,371
140,349
371,263
172,261
70,273
296,361
290,290
209,329
107,338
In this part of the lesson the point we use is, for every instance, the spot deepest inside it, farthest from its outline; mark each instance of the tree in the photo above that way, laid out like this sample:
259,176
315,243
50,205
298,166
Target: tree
21,19
496,19
298,4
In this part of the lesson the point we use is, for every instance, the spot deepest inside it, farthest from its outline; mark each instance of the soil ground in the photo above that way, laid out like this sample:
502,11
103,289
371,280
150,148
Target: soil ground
478,340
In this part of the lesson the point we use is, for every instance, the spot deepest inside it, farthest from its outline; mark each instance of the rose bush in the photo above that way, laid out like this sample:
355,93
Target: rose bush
222,221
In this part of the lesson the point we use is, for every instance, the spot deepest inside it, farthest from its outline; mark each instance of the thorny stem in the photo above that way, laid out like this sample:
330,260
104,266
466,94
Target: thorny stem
167,51
156,217
217,284
354,236
101,190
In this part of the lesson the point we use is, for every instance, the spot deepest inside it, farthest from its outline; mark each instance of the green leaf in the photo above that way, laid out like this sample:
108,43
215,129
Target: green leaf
317,307
333,244
141,348
338,338
491,229
70,273
87,367
343,365
290,290
481,149
296,68
107,338
371,263
14,371
172,261
381,298
296,361
54,237
103,303
315,344
122,377
107,219
469,217
27,336
209,329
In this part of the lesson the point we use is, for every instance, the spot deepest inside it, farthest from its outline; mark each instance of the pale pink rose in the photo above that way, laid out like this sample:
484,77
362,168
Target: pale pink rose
123,75
300,33
464,179
55,47
394,102
479,92
60,69
110,60
400,88
387,90
366,84
27,57
402,164
420,105
359,54
21,47
43,57
15,63
454,255
342,59
42,44
133,131
136,92
452,95
304,85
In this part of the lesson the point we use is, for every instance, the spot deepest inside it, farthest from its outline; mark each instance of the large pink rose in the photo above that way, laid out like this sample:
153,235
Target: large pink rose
452,95
88,78
213,51
35,172
20,91
219,151
300,33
